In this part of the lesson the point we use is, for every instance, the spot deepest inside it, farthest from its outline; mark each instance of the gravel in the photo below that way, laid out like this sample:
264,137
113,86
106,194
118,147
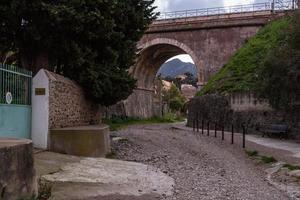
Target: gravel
203,168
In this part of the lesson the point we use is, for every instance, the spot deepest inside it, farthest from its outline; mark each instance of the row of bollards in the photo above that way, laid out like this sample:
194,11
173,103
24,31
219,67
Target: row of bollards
208,125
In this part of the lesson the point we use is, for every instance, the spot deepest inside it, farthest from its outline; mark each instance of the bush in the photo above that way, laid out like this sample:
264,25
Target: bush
252,153
268,159
175,98
280,75
292,167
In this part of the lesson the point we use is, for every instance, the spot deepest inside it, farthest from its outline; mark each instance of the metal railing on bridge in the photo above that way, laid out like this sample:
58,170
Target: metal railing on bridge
248,8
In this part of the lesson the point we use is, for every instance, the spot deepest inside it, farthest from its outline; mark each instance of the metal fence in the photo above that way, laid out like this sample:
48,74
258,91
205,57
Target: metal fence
249,8
15,85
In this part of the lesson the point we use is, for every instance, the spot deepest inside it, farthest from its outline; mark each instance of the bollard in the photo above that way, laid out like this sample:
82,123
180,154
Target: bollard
223,132
208,128
232,134
244,137
202,126
216,130
197,122
194,125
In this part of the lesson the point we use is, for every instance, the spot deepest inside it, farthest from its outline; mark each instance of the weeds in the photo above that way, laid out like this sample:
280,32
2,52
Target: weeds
111,155
292,167
264,159
268,159
117,123
252,153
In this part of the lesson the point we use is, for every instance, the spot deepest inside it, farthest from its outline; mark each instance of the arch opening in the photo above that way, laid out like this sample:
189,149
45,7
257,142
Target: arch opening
146,101
179,71
153,57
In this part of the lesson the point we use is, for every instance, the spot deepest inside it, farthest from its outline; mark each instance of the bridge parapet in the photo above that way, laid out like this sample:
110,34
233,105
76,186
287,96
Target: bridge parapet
232,10
259,18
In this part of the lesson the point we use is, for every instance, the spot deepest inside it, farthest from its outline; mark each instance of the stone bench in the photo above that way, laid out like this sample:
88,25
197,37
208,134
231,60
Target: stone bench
17,173
85,141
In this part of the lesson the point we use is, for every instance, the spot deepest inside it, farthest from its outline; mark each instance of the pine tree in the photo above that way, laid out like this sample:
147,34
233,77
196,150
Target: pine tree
90,41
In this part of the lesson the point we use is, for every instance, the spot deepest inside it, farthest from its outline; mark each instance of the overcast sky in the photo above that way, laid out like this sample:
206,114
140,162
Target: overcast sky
175,5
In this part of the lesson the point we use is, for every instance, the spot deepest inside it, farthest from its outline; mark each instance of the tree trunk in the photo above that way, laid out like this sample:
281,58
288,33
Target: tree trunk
36,63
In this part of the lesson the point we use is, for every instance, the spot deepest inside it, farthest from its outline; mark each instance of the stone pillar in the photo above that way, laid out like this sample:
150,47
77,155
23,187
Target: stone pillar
58,102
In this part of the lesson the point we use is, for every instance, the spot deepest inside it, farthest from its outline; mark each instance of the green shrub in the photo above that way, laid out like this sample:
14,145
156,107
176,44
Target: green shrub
175,99
252,153
268,159
292,167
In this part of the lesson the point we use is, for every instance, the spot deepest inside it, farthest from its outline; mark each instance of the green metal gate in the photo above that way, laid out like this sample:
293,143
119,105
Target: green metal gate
15,102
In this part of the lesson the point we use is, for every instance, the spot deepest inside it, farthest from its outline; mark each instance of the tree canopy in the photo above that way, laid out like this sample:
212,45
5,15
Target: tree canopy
90,41
175,98
280,74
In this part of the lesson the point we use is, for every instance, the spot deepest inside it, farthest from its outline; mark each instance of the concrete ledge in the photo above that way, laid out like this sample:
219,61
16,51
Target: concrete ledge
86,141
17,174
75,178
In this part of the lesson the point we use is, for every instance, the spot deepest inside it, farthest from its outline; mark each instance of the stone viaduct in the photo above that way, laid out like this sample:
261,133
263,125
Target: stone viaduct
210,40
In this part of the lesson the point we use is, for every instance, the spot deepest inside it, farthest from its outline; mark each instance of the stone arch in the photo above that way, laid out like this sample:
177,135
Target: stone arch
153,54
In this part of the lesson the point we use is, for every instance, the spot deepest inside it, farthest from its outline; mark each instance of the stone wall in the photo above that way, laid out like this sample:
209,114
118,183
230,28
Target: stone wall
68,105
248,110
248,101
140,104
17,174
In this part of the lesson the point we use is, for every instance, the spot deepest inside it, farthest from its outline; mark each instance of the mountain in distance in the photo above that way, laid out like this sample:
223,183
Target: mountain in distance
177,67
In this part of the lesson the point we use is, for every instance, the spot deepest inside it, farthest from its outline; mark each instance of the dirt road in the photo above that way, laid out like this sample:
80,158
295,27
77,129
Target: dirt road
203,168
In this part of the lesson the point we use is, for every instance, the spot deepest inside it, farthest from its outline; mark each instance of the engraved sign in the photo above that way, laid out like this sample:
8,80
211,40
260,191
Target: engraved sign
8,98
40,91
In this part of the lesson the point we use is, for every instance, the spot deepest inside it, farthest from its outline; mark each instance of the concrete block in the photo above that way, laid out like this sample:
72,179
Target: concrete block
17,173
86,141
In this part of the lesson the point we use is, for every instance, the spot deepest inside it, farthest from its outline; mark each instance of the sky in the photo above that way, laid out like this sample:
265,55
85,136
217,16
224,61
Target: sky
183,57
177,5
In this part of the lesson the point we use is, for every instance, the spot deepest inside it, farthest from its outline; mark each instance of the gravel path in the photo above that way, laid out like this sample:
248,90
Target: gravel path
203,168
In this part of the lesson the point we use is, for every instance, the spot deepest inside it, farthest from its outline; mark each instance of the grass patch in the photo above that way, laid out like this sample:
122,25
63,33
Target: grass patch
268,159
263,159
252,153
117,123
241,72
292,167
